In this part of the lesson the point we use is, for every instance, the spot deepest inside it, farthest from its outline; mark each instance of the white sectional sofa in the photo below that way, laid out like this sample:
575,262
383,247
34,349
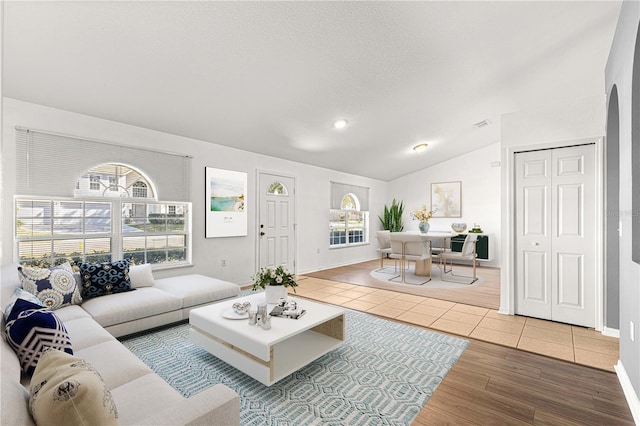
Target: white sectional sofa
141,397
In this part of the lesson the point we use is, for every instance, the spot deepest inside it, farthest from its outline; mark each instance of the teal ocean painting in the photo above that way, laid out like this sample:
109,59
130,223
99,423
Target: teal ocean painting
225,203
227,195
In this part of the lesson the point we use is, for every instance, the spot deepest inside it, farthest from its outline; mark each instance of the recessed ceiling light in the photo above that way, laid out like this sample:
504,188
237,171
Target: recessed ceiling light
340,124
420,147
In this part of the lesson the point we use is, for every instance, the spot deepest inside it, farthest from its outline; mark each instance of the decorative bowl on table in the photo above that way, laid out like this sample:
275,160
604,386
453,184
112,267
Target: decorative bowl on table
241,308
459,227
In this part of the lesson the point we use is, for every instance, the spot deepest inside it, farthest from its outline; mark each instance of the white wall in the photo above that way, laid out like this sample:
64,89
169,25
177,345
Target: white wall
619,71
480,194
240,252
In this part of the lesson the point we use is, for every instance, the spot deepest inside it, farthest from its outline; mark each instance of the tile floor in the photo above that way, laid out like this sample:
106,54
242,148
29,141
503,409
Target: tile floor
563,341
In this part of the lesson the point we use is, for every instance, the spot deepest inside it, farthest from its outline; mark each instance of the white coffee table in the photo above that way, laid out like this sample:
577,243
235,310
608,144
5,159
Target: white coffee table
268,355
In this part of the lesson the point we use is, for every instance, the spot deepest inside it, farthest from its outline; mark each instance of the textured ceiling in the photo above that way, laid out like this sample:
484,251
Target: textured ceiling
271,77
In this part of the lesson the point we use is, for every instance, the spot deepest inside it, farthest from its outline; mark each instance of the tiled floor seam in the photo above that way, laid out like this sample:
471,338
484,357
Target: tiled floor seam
475,327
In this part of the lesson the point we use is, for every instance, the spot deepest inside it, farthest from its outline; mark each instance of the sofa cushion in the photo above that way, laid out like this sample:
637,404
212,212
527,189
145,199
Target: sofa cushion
144,396
14,401
66,390
141,276
85,332
115,362
99,279
72,312
55,287
19,293
124,307
10,365
32,328
196,289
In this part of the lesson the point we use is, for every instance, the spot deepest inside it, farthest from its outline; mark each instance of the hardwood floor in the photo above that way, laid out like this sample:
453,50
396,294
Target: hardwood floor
492,384
497,385
486,294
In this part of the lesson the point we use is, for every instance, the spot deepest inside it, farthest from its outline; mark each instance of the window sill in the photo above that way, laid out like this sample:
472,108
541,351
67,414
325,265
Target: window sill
340,246
166,266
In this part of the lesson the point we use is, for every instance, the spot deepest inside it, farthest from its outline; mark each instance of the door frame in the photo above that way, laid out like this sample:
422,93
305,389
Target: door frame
260,199
508,272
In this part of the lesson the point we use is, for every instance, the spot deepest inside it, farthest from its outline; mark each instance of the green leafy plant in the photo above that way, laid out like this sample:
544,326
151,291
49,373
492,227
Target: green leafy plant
277,276
391,219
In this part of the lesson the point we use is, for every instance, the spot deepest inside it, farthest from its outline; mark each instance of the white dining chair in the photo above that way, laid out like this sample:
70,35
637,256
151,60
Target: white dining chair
409,248
384,243
467,253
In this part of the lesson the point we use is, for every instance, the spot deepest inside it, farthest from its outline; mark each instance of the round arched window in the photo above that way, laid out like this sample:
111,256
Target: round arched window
277,188
350,202
114,180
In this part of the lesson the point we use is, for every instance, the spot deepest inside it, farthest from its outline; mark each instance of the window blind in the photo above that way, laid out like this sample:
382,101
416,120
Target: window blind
50,164
339,190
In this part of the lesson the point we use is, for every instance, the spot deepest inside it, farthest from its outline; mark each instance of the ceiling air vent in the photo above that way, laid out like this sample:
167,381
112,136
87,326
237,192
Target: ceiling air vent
480,124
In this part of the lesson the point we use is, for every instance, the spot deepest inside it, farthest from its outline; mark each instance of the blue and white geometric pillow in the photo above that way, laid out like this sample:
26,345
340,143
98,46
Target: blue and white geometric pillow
55,287
19,293
99,279
31,329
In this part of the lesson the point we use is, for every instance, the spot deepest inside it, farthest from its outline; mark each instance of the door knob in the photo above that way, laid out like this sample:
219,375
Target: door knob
535,244
261,233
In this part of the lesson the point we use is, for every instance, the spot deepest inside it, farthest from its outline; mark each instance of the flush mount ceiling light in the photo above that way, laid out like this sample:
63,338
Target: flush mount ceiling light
340,124
421,147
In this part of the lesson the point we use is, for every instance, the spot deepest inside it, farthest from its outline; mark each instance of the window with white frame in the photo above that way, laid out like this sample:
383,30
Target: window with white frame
98,225
139,190
348,217
94,182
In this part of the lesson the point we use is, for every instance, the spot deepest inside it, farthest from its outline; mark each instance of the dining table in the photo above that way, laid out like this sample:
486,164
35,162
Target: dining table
437,240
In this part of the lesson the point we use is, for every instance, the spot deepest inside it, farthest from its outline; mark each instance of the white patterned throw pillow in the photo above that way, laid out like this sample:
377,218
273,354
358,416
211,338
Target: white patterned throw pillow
66,390
55,287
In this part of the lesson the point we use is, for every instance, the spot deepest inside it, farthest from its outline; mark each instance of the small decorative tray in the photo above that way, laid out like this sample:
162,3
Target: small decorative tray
231,314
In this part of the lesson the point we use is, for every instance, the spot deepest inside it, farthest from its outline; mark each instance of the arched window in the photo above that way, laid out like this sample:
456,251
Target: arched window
139,190
113,215
350,202
277,188
348,224
114,180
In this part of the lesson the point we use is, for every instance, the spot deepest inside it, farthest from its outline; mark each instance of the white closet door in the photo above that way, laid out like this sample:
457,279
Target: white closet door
533,234
555,240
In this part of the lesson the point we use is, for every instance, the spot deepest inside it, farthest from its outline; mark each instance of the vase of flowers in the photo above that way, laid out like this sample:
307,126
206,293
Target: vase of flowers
275,282
423,215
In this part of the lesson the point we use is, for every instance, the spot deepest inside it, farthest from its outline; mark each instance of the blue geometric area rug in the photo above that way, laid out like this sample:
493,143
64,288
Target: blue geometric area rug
383,374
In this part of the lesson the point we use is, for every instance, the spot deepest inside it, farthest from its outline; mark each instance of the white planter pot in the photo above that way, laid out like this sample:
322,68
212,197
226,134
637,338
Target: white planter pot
273,293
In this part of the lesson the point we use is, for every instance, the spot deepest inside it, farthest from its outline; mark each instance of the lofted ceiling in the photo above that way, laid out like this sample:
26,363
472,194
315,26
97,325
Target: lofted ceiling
272,77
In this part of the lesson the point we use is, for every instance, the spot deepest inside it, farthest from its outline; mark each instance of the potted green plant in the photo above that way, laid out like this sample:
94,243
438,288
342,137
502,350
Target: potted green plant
275,282
391,219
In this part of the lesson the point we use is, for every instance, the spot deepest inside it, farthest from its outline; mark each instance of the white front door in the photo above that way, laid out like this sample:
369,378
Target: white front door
555,234
277,231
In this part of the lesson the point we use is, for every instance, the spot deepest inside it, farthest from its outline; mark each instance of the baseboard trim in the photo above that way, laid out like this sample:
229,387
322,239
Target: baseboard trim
629,392
611,332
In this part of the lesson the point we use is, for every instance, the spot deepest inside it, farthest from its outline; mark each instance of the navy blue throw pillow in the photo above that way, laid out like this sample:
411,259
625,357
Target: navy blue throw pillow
31,329
99,279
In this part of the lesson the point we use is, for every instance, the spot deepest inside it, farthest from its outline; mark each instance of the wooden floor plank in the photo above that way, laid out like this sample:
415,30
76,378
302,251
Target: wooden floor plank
554,403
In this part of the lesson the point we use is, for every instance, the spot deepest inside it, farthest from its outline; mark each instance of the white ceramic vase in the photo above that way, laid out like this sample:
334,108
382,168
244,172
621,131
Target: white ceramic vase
273,293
